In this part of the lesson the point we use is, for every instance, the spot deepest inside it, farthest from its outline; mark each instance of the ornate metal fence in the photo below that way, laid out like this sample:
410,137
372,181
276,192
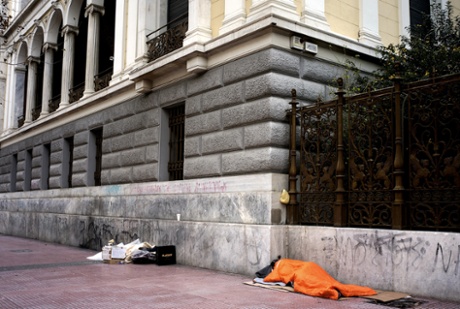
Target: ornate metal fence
384,159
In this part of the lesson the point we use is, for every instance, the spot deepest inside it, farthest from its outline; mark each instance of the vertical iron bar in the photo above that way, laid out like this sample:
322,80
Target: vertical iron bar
397,209
292,209
340,211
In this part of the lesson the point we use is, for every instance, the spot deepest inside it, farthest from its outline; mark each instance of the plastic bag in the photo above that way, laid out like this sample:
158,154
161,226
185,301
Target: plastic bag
143,257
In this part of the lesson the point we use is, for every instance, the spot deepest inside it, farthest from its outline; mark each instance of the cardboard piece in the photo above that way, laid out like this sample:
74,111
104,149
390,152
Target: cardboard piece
381,296
387,296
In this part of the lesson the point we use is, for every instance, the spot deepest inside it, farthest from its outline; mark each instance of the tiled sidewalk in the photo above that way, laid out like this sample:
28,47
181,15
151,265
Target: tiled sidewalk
34,274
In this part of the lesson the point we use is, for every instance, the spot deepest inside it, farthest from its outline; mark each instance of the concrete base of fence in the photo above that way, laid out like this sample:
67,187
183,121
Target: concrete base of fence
234,224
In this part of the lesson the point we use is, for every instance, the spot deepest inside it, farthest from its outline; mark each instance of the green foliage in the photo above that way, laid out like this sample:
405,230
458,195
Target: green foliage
433,49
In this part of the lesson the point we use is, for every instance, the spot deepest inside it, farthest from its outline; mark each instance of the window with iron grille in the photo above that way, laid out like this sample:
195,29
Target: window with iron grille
67,160
45,167
14,170
28,170
97,173
95,157
176,142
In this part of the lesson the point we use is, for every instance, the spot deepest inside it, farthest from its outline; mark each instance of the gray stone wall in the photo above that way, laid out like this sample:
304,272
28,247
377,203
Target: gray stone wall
235,124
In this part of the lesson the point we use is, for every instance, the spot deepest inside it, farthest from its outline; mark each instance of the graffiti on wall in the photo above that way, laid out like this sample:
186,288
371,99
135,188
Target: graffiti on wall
209,186
393,249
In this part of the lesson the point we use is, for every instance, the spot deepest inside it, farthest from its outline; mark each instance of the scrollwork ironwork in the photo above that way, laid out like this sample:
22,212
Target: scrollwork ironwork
428,157
167,41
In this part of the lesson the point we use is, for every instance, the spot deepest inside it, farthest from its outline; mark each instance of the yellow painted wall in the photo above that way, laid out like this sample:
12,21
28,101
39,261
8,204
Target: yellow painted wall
343,17
389,21
456,7
217,16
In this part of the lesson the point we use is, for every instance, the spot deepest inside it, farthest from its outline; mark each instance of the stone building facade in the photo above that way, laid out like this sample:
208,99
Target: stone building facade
110,128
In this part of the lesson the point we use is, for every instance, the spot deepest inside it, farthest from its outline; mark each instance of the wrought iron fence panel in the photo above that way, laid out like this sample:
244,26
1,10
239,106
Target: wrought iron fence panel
433,154
368,144
318,154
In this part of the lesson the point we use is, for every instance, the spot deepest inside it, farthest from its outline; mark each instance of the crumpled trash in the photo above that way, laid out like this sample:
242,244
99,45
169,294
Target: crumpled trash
130,248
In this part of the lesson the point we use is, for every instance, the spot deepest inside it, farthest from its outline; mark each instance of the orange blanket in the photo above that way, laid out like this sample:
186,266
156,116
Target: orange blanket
309,278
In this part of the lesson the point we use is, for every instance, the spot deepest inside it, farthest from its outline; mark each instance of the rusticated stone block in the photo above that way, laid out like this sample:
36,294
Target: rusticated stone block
202,166
266,134
265,61
253,112
203,123
222,141
267,159
222,97
205,82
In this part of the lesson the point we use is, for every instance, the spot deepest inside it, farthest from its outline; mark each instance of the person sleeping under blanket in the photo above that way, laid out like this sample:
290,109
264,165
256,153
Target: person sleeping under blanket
310,279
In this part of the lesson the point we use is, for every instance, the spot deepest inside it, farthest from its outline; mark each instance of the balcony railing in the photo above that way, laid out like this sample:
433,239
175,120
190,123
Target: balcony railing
102,79
76,93
169,40
36,112
54,103
21,120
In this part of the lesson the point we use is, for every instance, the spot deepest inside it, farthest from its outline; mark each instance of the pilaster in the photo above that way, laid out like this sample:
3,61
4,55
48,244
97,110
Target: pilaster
18,89
199,22
313,14
284,8
69,33
404,17
93,13
120,38
9,95
48,49
31,87
235,15
369,23
131,33
151,16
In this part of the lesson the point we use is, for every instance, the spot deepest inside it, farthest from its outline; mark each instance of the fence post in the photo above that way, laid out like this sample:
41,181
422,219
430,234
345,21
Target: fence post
340,210
292,209
398,203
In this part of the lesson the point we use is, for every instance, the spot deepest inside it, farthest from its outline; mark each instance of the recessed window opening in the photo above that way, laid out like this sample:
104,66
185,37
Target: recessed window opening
95,157
45,167
28,170
176,142
67,160
14,171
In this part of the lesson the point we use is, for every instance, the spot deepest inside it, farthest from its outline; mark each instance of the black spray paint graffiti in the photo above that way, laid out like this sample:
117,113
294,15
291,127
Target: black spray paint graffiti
447,259
381,249
385,249
394,250
98,234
